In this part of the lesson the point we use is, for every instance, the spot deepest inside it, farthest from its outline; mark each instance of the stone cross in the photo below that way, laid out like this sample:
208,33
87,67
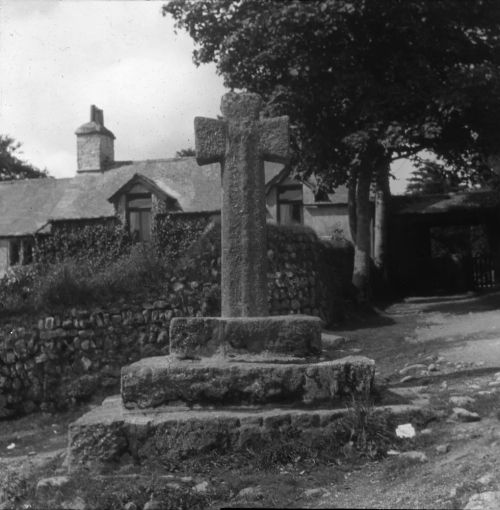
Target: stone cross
241,142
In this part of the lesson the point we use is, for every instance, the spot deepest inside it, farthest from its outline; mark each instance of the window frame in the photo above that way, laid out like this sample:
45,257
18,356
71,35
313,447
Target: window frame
129,197
280,201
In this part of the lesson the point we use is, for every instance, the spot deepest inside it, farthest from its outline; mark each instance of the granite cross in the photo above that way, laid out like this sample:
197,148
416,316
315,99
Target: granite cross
241,142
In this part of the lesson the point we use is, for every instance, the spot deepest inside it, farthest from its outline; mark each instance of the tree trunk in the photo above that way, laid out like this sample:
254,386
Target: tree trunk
351,204
362,259
382,197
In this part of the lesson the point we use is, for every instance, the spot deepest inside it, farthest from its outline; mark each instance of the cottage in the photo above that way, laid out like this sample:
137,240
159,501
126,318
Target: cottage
134,192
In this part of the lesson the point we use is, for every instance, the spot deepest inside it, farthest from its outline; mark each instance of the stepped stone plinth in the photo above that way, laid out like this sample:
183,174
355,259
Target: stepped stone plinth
164,380
241,379
172,408
110,432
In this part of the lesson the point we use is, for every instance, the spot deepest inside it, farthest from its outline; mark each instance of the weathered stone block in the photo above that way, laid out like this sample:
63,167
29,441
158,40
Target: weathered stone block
110,431
299,335
161,380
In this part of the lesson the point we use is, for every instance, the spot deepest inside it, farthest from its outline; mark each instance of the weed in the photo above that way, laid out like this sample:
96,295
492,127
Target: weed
288,449
363,432
14,487
370,432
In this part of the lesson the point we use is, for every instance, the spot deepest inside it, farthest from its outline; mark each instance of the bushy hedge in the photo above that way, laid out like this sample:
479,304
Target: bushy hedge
79,282
96,242
305,275
174,233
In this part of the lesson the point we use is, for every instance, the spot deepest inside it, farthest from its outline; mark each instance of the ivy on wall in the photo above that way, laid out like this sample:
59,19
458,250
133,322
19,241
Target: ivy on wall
97,241
92,260
174,233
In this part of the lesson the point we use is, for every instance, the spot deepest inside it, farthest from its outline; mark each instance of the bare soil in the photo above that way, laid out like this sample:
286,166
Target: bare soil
428,350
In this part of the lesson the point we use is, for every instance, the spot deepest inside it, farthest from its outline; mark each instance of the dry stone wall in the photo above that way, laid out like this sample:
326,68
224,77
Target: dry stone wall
301,278
59,359
66,358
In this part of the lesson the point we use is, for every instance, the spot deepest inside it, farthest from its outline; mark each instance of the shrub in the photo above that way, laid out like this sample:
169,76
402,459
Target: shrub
63,284
75,282
16,287
140,269
175,233
96,242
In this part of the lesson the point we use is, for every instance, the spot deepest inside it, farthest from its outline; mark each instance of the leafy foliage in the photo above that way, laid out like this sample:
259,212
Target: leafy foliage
185,153
364,83
16,287
434,177
174,233
95,242
12,166
386,77
76,282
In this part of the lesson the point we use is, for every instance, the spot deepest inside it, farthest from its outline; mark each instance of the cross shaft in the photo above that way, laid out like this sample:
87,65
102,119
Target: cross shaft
241,142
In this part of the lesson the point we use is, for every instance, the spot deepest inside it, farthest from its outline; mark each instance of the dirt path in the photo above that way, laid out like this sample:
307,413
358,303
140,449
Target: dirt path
440,353
448,350
463,330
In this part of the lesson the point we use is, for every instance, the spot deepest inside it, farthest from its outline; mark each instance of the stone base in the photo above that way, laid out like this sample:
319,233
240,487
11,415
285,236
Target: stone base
159,381
299,335
111,433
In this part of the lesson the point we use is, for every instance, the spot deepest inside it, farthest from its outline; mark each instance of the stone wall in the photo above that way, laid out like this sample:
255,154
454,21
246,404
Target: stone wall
300,277
66,358
57,360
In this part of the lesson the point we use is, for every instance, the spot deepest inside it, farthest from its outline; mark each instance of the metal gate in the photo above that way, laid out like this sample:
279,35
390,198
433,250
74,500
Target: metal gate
483,272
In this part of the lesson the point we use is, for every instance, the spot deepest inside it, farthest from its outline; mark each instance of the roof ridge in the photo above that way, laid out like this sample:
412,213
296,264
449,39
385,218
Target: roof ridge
155,160
11,182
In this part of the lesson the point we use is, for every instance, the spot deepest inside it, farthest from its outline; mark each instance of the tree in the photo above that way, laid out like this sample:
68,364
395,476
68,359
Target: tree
434,177
11,166
185,153
365,82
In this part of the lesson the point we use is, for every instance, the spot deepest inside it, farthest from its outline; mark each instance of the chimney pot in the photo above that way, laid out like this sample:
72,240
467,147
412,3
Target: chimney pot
96,115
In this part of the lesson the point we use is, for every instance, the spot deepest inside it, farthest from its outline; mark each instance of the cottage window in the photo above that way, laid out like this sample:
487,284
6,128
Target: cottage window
14,252
139,216
20,252
290,204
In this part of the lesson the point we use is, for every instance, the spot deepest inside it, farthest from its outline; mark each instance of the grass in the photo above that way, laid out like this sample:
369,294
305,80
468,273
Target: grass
282,469
103,493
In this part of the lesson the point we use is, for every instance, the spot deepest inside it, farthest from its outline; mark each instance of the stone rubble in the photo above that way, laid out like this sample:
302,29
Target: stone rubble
443,448
461,401
484,501
414,456
251,493
461,414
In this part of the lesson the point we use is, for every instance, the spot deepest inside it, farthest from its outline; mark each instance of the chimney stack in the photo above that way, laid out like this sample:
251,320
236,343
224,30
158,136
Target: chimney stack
94,144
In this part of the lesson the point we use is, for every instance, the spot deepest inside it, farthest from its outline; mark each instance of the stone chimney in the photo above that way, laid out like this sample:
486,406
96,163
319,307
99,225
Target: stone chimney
94,144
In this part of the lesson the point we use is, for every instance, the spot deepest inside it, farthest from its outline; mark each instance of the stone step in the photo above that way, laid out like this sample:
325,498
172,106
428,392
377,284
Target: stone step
162,380
110,433
299,335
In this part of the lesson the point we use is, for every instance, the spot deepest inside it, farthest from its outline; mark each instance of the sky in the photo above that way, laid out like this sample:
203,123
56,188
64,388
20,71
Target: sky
58,57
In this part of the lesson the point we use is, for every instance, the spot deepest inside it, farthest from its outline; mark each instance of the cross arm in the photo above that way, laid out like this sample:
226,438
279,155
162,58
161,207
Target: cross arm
274,139
210,140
